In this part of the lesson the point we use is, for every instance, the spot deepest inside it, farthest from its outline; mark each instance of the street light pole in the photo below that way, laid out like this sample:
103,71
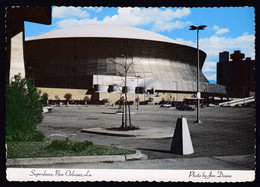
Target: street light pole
137,90
201,27
176,90
144,87
97,91
170,93
198,81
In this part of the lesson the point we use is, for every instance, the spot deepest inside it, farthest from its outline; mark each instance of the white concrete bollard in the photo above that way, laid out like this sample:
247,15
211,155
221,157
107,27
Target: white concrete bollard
181,142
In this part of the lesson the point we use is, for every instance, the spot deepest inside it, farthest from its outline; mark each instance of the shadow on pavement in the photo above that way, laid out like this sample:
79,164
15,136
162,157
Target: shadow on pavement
155,150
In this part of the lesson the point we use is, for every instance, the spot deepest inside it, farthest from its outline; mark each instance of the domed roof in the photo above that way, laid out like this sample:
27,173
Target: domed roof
103,31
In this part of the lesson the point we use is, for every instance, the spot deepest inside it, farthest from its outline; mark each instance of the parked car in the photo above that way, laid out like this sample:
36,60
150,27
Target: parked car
165,105
46,109
226,105
185,107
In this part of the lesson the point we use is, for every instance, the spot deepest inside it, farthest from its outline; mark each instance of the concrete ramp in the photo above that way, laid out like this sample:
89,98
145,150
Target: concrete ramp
238,101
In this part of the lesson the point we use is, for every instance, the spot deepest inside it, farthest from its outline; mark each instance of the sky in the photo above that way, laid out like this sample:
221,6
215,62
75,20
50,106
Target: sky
228,28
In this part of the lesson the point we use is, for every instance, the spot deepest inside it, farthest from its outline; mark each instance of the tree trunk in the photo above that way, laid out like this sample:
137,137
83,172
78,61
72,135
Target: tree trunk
125,111
123,124
125,101
130,124
120,103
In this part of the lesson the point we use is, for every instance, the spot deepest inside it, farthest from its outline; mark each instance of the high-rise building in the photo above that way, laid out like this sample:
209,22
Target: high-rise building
237,74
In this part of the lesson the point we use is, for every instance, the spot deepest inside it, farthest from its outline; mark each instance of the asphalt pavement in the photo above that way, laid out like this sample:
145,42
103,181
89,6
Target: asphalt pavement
225,139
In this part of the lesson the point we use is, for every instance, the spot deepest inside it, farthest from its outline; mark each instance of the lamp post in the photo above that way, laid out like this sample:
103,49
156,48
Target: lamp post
97,90
144,88
176,89
205,93
137,90
170,93
201,27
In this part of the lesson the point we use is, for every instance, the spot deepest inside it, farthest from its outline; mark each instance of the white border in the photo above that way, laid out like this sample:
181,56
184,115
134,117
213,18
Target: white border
83,175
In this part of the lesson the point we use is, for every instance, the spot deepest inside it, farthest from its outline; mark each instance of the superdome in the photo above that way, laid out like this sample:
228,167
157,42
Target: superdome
103,31
93,56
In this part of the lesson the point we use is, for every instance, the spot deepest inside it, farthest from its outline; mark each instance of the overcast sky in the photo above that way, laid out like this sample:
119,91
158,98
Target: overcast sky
228,29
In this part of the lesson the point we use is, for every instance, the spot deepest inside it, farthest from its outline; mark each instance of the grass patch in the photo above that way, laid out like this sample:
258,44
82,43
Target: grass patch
49,148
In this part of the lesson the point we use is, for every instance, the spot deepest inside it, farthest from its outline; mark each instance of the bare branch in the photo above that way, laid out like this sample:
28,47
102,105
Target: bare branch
129,66
120,74
110,60
114,62
118,87
122,77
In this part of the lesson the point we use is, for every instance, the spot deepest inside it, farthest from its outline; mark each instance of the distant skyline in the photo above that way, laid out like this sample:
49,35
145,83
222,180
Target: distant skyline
228,28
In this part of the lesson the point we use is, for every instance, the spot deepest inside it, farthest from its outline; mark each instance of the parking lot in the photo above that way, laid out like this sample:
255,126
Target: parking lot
225,131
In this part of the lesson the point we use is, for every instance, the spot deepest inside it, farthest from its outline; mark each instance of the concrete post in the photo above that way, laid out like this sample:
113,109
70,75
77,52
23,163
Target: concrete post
181,142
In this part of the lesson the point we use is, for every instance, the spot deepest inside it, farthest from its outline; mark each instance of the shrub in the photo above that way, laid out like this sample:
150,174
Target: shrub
86,98
105,101
44,98
23,110
59,144
80,146
67,145
68,96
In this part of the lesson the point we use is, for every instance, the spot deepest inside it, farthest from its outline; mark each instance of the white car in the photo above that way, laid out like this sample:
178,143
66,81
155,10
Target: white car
226,105
46,109
166,105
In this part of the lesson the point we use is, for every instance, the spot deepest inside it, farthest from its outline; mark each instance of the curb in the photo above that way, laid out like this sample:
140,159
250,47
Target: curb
75,159
106,133
137,156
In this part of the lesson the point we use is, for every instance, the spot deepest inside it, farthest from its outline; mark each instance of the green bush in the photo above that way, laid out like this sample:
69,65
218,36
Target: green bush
44,98
23,110
80,146
68,96
67,145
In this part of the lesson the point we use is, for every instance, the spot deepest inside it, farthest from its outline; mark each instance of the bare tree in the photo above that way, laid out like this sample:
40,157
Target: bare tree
105,101
126,108
67,96
150,100
86,99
